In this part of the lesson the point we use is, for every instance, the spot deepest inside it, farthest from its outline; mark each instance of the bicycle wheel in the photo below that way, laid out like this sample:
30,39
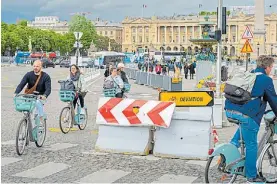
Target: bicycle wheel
41,133
65,120
269,164
214,171
21,136
83,125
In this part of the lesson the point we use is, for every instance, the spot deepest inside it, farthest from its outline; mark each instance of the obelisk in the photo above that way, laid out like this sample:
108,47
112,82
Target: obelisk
259,31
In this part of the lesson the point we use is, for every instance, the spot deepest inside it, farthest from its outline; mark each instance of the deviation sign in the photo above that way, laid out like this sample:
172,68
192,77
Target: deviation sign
247,33
246,47
188,98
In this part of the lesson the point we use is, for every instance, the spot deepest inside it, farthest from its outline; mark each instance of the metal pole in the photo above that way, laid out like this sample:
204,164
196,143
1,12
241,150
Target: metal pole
219,45
247,57
77,52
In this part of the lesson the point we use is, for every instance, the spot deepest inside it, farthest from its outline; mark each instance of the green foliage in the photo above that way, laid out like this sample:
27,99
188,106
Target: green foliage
22,23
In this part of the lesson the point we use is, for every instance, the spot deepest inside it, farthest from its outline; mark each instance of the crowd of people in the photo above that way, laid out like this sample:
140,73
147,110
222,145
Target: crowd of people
169,68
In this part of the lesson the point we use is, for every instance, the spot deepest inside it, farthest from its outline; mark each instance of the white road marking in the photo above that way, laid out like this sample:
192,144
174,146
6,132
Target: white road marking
8,160
43,170
59,146
171,178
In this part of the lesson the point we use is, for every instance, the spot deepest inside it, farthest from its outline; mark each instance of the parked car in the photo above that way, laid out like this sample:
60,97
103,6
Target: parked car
47,63
87,64
65,64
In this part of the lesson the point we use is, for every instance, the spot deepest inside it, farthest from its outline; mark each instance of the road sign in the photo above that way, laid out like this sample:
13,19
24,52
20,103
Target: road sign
76,44
247,33
188,98
246,47
78,35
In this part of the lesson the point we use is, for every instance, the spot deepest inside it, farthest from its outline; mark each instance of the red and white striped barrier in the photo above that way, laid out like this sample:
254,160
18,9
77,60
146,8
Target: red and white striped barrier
120,112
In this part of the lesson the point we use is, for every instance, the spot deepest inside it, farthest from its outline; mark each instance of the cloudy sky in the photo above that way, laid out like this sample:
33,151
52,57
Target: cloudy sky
113,10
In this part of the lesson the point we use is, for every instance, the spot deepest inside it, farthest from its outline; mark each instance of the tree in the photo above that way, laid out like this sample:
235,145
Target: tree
22,23
82,24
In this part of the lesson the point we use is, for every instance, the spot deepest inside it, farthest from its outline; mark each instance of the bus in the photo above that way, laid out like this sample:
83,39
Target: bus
21,57
105,57
169,55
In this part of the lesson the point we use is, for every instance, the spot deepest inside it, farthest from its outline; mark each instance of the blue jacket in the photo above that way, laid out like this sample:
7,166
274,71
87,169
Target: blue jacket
255,109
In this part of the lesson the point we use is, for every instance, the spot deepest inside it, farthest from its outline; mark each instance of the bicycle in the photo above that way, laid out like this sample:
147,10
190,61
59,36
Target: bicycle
230,161
71,118
25,103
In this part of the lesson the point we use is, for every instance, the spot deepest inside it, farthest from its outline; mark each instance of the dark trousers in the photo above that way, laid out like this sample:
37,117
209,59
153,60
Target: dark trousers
186,75
82,101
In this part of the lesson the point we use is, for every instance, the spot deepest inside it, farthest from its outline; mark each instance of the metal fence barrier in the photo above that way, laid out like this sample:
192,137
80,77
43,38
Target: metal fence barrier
163,82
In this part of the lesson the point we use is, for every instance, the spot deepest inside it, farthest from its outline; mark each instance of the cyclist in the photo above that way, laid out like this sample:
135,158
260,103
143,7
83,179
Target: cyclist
251,113
115,81
43,85
77,78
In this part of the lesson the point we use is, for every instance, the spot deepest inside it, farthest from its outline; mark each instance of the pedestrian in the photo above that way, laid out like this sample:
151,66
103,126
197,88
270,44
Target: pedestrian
191,71
158,69
186,70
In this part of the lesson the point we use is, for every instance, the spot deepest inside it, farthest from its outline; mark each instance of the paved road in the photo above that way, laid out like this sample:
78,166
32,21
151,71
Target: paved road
71,158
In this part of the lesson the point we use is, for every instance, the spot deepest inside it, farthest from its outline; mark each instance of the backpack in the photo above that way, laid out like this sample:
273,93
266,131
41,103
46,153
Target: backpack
67,85
238,89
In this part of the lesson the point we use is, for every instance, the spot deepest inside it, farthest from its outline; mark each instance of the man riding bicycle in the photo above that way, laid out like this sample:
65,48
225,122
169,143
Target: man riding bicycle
39,81
250,114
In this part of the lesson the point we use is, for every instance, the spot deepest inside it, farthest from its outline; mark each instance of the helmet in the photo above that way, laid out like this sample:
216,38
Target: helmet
120,65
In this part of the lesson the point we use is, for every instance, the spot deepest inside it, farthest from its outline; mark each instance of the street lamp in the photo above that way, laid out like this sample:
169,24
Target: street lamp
258,49
271,49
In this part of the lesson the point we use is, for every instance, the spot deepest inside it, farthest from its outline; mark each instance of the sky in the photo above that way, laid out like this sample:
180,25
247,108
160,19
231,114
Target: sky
113,10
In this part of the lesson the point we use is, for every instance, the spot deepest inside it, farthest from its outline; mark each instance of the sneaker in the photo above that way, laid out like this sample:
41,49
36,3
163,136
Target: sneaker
256,180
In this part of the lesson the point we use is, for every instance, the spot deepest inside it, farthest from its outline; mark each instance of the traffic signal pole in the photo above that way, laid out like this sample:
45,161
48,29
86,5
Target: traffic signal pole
219,46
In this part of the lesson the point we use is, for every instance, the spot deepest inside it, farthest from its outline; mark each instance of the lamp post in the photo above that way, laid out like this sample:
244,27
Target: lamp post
258,49
271,49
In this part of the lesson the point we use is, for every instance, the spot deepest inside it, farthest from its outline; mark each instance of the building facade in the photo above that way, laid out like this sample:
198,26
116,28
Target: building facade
109,29
174,33
49,23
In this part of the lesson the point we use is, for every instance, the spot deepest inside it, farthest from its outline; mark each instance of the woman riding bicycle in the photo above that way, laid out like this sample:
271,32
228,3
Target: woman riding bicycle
80,86
115,81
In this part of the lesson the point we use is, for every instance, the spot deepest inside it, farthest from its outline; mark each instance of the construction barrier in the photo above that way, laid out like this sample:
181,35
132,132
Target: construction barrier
126,125
163,82
187,137
90,74
130,126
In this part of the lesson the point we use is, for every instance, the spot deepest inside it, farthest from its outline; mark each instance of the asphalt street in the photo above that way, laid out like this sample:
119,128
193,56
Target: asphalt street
71,158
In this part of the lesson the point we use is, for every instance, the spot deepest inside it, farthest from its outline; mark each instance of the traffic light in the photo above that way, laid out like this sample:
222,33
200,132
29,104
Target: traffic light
215,35
224,20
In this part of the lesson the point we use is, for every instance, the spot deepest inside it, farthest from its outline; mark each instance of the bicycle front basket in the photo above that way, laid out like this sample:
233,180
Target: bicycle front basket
24,104
127,87
67,96
109,92
275,127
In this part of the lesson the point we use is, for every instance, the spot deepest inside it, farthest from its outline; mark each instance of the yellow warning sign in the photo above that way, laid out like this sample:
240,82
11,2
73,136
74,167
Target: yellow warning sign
188,98
246,47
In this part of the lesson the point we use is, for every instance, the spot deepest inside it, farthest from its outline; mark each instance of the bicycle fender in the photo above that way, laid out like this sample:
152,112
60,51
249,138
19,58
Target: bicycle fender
230,152
259,161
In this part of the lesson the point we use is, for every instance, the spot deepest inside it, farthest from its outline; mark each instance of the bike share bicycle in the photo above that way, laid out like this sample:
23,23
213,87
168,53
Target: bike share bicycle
68,116
230,161
26,132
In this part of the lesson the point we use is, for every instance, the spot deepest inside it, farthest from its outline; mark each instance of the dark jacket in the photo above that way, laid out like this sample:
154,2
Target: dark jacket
264,89
107,73
43,87
123,77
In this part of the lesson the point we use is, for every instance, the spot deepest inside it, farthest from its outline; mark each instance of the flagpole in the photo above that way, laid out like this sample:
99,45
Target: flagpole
142,11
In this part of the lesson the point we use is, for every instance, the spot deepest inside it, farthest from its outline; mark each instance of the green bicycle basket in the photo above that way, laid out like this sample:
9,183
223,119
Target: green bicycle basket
24,104
67,96
127,87
275,127
109,92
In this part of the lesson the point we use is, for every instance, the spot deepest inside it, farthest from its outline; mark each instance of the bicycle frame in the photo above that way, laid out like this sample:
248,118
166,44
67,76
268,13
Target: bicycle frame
235,159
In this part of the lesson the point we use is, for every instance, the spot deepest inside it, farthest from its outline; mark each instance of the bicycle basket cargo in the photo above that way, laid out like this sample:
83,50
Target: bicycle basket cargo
24,104
67,85
67,96
127,87
109,92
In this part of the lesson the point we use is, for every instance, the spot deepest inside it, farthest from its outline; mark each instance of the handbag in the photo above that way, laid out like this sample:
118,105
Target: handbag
30,91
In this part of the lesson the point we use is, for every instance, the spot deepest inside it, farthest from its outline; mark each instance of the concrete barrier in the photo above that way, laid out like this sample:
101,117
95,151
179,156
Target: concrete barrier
188,137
